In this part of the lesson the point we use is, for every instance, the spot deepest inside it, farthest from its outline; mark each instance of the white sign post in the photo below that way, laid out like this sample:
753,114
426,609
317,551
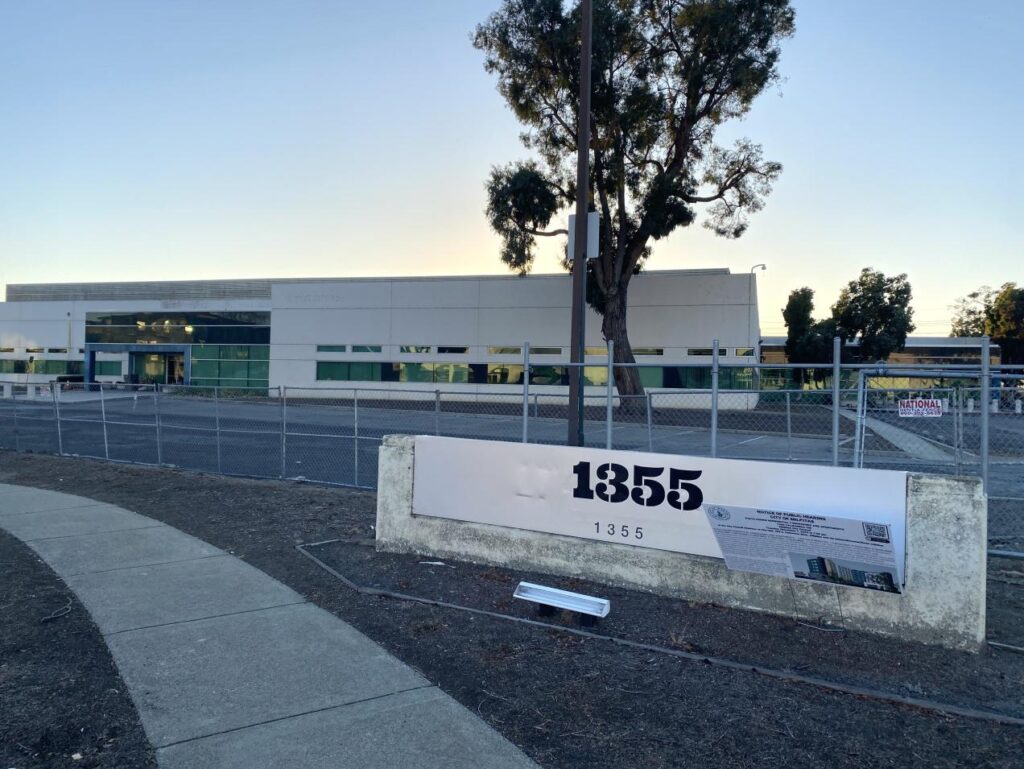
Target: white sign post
641,499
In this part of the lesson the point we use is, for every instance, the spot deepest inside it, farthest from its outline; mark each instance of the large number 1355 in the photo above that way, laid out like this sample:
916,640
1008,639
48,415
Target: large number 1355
647,491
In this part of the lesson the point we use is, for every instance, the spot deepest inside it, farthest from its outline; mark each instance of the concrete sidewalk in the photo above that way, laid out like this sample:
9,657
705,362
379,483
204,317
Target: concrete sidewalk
230,668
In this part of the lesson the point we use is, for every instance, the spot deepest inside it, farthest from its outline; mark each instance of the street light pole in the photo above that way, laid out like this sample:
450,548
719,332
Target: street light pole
579,264
750,305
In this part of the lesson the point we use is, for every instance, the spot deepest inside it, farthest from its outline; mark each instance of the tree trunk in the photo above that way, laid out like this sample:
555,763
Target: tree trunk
627,379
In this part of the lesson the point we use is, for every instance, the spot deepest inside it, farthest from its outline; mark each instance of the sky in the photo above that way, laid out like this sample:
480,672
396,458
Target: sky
188,139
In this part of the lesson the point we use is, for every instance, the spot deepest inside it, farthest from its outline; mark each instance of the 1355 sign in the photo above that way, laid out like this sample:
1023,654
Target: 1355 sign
646,486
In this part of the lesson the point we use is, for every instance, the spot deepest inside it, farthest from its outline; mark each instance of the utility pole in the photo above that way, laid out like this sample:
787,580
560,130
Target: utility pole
579,263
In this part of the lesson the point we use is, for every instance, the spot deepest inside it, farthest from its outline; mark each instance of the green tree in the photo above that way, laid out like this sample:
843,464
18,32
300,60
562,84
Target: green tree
807,340
875,310
666,75
971,313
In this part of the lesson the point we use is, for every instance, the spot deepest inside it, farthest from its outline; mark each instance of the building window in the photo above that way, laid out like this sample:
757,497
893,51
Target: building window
34,349
366,348
57,350
212,327
603,351
545,351
648,350
700,352
332,348
504,350
744,352
452,350
415,349
231,365
109,368
6,349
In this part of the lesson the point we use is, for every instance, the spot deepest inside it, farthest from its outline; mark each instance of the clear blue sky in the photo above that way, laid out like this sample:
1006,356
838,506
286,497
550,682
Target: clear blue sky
258,138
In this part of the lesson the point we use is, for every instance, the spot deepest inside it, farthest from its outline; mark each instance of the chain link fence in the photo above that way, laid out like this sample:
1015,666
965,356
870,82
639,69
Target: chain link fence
331,436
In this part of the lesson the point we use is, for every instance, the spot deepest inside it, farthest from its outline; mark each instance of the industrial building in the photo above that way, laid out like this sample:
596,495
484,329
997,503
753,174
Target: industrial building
460,333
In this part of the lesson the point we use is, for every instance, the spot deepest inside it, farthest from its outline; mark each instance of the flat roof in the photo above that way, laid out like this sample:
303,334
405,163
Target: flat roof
239,288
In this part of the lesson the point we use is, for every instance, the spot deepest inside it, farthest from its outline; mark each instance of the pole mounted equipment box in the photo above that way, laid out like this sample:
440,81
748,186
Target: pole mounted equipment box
593,235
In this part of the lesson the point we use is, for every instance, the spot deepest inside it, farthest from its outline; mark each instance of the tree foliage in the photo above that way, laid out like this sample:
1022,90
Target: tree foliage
997,314
807,340
875,310
666,75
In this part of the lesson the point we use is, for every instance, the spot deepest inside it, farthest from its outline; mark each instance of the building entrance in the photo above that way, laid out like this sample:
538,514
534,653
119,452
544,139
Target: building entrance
158,368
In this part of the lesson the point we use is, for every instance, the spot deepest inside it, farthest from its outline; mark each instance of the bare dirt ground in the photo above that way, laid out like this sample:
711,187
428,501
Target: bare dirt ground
573,701
60,694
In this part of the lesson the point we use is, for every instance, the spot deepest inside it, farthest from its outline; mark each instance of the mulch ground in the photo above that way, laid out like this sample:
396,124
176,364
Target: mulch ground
570,701
60,694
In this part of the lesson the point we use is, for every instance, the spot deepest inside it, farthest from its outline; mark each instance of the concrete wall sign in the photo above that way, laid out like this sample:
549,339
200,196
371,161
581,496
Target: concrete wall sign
639,499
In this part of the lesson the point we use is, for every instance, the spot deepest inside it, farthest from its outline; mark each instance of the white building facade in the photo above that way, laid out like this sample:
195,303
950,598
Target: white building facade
454,333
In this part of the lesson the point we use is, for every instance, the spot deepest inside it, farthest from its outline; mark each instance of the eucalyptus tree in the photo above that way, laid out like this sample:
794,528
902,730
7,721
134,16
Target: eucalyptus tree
666,75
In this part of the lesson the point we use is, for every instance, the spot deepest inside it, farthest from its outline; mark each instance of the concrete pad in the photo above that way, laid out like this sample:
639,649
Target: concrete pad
95,519
144,596
199,678
120,549
424,728
35,500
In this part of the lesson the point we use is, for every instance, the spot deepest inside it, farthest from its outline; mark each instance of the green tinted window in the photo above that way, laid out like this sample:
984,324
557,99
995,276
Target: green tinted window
205,368
259,369
231,369
451,373
416,372
109,368
366,348
331,372
332,348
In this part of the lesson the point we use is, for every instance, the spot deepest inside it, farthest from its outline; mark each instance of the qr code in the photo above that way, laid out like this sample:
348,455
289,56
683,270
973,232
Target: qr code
876,532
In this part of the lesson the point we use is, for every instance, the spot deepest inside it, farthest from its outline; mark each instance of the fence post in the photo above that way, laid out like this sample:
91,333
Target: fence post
714,398
536,406
103,416
14,410
437,412
156,419
526,390
986,407
608,420
858,433
282,393
55,394
789,428
837,394
355,434
650,436
216,422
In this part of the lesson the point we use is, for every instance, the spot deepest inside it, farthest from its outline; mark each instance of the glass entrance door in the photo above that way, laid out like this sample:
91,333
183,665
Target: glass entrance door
176,368
149,368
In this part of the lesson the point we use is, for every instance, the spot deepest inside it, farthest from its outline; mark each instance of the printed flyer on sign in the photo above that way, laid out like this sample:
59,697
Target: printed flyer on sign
817,548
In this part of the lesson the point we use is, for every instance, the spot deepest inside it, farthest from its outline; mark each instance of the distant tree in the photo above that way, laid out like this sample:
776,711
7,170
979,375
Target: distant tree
997,314
875,310
971,313
807,340
667,74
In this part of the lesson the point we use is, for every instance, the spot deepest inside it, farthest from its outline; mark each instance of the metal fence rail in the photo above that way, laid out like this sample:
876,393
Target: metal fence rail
331,436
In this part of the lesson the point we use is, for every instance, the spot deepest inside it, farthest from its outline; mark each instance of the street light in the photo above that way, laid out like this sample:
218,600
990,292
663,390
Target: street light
750,306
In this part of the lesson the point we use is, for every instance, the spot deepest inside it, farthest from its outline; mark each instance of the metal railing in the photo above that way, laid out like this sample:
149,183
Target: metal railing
331,435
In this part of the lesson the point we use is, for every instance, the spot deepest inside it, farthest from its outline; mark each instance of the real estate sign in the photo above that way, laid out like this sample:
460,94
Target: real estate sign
641,499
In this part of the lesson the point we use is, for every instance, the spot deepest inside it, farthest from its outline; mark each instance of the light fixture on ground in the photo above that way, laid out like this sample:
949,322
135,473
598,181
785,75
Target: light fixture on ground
589,607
